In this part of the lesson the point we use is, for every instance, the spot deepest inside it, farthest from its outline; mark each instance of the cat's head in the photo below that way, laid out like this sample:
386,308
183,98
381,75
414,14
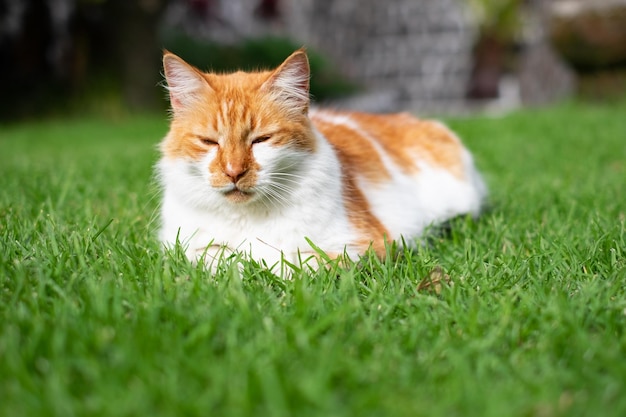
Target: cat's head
241,136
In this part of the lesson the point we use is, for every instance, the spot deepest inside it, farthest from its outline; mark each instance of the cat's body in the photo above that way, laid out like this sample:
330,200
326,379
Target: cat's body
247,166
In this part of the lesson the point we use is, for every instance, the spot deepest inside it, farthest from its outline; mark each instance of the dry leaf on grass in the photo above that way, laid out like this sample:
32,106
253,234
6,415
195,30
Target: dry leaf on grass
435,281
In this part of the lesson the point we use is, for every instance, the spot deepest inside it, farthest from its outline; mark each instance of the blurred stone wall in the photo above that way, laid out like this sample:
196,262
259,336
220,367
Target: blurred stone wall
542,75
413,55
406,53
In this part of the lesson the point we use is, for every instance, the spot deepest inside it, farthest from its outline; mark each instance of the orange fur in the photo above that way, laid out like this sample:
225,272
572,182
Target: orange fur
401,136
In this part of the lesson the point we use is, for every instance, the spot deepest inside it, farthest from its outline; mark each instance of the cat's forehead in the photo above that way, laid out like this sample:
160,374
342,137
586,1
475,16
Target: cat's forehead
236,102
237,82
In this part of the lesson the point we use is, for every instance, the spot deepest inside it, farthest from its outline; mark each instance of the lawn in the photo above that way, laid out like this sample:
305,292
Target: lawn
529,318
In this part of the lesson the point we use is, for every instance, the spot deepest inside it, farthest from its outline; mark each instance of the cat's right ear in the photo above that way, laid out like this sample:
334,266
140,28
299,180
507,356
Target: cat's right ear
184,83
289,83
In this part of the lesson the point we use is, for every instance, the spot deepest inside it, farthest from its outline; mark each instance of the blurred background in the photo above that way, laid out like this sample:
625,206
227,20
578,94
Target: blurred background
63,57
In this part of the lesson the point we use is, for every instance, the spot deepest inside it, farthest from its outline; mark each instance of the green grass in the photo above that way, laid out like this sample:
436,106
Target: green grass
96,321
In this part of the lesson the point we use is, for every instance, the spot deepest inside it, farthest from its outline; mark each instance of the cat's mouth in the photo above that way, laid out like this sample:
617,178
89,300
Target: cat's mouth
238,196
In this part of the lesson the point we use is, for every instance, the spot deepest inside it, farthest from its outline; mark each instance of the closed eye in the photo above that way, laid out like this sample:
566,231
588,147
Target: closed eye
208,141
260,139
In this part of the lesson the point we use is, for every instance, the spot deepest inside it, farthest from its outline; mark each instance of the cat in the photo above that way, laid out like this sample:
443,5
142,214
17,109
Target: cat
249,166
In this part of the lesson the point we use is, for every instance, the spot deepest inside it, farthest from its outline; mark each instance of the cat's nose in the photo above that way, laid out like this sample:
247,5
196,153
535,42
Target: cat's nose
234,172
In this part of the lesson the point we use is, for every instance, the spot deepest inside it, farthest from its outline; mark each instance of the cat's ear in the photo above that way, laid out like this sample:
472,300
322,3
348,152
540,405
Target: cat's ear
289,83
184,83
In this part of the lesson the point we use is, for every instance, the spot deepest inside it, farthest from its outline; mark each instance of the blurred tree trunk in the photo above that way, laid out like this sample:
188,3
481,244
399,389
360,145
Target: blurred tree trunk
489,56
136,23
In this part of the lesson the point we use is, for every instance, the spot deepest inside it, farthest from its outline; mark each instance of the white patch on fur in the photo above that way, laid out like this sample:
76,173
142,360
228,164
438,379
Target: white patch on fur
408,204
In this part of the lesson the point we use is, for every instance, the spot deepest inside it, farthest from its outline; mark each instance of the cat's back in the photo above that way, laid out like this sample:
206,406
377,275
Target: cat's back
406,171
372,144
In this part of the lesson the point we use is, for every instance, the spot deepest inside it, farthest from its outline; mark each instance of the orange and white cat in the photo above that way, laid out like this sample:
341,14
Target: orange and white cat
248,166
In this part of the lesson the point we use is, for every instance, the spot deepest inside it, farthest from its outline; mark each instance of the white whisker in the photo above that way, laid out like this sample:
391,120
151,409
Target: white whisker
276,194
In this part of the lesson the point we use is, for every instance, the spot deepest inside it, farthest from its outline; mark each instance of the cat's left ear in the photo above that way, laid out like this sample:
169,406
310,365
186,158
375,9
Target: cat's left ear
289,83
185,83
